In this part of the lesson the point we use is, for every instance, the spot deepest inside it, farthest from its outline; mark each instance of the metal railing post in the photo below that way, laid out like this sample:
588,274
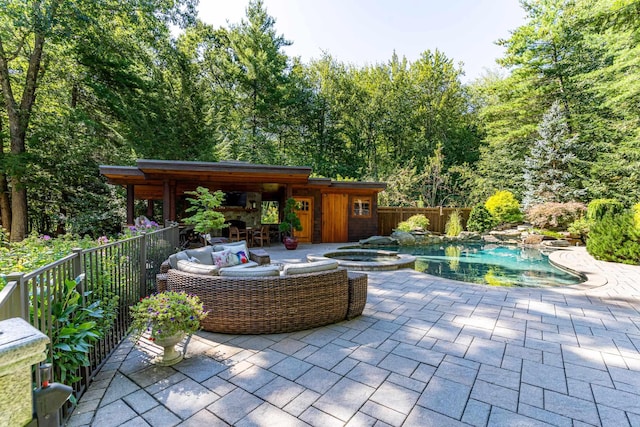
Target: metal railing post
143,265
173,233
78,269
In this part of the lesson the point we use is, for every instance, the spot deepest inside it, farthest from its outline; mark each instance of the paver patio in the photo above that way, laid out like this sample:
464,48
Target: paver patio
426,352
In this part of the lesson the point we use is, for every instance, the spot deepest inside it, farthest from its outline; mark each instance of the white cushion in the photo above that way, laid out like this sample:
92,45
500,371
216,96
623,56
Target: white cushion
249,264
310,267
197,268
263,271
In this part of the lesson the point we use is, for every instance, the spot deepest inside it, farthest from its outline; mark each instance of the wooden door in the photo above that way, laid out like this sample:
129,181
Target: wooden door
335,218
305,213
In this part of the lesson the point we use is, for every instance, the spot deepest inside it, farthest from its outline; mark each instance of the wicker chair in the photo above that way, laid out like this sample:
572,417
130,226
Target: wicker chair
269,305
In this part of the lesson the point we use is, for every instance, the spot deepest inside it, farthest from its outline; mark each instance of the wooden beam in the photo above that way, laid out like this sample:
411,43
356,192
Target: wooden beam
130,204
166,202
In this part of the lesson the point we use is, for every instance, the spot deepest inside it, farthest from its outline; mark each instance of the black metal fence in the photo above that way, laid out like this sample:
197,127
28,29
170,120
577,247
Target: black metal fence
118,274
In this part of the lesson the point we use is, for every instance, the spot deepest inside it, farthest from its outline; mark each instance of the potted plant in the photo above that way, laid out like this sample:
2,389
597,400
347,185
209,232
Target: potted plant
290,223
167,316
206,218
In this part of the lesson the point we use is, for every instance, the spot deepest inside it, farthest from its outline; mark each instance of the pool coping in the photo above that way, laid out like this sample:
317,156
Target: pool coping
573,260
402,261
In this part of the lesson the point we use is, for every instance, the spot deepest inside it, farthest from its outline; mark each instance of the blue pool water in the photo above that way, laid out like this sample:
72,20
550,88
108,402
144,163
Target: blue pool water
490,264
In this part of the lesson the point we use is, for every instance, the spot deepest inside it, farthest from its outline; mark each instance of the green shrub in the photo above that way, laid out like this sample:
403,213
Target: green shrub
636,214
555,216
206,218
549,233
38,250
615,238
598,208
480,220
453,227
75,327
504,207
416,222
580,227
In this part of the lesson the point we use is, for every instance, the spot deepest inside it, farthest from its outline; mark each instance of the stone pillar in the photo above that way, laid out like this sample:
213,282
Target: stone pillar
21,346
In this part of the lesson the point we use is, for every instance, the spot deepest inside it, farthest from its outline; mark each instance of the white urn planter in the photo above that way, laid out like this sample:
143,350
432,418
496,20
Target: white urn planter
170,355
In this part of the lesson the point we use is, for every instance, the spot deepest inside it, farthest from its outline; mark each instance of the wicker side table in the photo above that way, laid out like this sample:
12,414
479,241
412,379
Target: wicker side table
161,282
357,294
260,256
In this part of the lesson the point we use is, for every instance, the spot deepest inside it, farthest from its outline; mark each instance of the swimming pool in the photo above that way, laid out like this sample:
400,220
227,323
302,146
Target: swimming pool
490,264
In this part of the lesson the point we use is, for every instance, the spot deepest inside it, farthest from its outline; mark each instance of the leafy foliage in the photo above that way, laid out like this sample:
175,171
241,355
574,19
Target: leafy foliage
580,54
166,314
38,250
580,227
206,217
555,216
504,207
269,213
614,237
599,208
453,227
114,84
290,220
480,219
414,223
75,328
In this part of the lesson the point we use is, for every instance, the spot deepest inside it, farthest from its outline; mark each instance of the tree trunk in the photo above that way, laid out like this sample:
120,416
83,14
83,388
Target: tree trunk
5,201
19,116
18,211
5,204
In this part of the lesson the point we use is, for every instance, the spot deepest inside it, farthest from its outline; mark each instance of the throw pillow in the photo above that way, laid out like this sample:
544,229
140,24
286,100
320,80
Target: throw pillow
242,257
223,258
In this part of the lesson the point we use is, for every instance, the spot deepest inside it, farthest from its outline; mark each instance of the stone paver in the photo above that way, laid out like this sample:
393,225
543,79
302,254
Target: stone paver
427,351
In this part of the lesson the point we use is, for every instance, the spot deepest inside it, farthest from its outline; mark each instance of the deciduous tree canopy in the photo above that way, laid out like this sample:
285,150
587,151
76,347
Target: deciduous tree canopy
85,83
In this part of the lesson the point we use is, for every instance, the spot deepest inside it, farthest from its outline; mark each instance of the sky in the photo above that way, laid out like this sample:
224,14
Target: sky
362,32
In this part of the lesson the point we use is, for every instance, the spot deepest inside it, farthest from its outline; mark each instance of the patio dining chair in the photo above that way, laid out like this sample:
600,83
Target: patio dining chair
236,235
261,236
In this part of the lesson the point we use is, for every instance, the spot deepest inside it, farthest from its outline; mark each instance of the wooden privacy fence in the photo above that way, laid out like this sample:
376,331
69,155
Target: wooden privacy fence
121,273
390,216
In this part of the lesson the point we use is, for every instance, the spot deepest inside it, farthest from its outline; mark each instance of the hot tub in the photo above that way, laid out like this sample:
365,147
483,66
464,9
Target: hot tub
367,259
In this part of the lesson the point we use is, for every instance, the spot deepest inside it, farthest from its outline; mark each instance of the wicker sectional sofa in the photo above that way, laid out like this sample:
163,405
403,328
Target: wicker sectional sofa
273,303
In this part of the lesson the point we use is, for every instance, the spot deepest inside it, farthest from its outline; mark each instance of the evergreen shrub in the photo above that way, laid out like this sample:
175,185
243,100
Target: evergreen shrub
555,216
598,208
453,227
480,220
615,238
504,207
636,214
416,222
580,227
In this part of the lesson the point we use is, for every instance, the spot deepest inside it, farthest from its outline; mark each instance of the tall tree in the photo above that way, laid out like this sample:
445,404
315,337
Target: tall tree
29,31
549,167
258,70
